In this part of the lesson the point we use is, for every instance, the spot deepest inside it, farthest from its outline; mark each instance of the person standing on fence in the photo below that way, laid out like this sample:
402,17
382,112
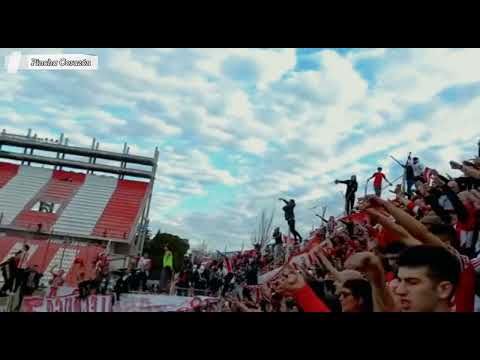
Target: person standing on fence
290,217
167,270
352,187
377,182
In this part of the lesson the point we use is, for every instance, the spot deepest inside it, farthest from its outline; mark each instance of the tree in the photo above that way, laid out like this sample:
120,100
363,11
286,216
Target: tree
155,249
261,235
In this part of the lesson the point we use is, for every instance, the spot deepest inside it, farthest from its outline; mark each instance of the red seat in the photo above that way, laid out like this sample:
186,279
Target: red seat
7,172
60,189
118,218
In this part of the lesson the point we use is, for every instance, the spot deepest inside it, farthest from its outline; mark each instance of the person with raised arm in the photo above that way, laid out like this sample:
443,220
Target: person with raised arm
416,233
352,187
369,264
291,282
377,182
290,217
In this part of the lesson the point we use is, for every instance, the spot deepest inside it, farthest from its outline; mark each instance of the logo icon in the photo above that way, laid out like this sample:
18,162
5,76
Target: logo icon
13,62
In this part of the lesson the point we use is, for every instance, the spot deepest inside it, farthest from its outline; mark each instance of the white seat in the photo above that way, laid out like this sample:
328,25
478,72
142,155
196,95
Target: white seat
85,209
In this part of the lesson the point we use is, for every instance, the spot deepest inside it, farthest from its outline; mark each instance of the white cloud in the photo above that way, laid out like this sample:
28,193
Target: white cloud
271,64
160,125
416,75
254,146
124,62
366,54
309,127
106,118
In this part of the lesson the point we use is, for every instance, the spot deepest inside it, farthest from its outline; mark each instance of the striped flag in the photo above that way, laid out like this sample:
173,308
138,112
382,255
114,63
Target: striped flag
228,265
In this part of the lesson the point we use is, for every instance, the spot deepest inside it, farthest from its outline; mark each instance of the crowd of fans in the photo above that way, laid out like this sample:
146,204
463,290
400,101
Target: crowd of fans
416,252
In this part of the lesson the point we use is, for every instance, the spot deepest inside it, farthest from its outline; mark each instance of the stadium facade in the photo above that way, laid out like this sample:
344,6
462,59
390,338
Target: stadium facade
68,202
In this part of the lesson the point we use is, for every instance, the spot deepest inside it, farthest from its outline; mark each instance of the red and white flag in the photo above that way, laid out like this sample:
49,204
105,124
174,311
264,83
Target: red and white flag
228,265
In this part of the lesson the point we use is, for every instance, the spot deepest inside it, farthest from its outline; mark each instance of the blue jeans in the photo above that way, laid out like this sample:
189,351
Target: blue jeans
410,183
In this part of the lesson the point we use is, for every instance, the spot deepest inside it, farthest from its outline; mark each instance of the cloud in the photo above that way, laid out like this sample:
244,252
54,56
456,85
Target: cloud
254,146
160,125
366,54
237,128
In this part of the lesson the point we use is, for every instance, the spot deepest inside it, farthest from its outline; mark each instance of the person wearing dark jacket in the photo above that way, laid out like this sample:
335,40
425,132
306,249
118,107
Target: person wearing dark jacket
10,273
290,217
352,187
32,280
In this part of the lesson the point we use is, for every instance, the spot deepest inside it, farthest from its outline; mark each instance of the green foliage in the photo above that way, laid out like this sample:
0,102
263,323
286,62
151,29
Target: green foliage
155,248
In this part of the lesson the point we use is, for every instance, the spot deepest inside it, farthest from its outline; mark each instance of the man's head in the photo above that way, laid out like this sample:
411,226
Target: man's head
379,169
415,160
292,201
427,279
166,248
354,177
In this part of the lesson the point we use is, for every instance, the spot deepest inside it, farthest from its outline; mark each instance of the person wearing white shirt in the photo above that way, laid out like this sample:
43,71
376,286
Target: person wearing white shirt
417,167
143,266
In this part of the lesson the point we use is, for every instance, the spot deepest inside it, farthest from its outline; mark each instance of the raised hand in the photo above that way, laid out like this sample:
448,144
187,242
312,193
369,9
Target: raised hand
287,281
362,261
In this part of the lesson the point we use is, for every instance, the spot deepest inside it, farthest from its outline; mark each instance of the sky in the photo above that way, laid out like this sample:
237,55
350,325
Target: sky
239,128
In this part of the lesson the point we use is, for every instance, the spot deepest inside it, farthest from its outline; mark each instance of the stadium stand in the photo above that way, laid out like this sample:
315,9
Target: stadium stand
118,219
60,190
81,213
88,204
7,171
16,194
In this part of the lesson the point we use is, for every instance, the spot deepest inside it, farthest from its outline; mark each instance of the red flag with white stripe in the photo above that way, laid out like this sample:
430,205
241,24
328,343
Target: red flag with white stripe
228,265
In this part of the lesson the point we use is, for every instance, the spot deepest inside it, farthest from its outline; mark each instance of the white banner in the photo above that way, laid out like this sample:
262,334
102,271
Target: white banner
69,303
157,303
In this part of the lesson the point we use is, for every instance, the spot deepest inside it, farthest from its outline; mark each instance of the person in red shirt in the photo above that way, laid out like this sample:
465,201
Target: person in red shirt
377,182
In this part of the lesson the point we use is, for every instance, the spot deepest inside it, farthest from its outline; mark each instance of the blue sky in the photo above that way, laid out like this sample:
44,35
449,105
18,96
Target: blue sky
238,128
